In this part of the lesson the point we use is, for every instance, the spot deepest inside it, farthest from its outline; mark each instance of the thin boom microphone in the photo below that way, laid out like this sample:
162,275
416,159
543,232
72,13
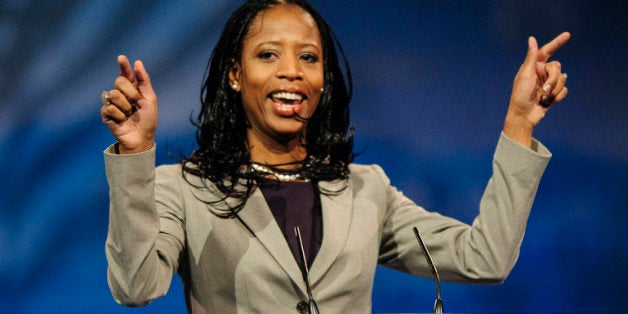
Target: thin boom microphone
438,303
312,307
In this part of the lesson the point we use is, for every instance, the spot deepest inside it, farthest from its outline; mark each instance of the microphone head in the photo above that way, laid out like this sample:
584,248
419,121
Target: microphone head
438,306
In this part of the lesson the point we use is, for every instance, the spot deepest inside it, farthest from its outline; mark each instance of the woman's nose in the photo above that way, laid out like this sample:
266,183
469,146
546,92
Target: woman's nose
289,68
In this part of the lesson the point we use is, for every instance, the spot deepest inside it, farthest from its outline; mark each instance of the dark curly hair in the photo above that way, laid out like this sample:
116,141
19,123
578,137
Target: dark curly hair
223,157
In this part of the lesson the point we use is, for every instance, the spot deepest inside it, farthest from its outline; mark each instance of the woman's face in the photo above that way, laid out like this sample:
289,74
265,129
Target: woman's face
280,74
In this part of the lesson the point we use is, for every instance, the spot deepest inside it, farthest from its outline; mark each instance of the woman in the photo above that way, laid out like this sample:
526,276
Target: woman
274,154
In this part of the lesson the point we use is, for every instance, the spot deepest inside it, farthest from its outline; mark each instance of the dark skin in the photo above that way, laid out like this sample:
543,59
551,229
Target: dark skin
537,86
276,61
132,114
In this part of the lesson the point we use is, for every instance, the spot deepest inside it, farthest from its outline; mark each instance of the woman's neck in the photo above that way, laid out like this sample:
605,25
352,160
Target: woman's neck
266,150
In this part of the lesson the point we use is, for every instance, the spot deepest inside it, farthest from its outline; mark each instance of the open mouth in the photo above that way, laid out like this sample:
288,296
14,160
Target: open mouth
287,98
287,103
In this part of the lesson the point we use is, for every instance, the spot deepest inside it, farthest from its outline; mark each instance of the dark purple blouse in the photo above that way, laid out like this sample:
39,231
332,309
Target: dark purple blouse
293,204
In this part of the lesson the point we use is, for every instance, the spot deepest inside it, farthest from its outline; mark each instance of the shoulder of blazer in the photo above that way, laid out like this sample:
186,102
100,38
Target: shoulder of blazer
372,173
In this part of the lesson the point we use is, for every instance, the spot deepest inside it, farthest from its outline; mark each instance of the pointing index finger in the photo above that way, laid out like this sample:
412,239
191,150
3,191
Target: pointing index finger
125,68
550,48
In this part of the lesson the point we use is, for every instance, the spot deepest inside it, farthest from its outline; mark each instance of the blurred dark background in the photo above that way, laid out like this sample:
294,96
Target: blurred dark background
432,84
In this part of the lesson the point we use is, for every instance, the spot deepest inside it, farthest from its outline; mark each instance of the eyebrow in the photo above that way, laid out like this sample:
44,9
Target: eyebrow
277,43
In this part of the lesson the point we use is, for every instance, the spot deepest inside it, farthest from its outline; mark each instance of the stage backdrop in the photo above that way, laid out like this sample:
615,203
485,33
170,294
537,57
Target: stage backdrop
432,82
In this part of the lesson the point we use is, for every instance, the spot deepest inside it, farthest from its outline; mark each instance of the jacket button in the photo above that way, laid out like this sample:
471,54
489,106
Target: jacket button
302,307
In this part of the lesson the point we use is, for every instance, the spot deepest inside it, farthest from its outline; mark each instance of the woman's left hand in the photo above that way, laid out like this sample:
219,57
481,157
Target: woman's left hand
537,86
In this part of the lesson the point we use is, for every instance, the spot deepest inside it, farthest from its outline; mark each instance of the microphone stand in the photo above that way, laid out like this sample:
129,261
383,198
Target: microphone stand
438,303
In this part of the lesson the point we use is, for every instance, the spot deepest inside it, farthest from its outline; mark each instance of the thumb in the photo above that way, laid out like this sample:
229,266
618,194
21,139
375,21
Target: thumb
144,84
531,57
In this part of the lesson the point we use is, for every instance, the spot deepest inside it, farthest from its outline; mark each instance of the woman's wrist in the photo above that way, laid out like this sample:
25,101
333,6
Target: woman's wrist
122,150
519,130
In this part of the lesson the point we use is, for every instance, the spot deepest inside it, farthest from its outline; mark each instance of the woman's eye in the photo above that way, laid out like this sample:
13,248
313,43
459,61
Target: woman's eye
266,55
309,57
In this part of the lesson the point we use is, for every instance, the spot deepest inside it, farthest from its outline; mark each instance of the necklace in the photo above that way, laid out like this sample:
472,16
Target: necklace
280,176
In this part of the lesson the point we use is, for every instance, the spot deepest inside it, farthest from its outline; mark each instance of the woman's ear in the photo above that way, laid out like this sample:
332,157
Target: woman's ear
234,77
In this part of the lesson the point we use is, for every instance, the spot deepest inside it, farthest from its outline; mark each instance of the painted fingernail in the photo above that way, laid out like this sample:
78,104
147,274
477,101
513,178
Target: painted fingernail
545,101
547,88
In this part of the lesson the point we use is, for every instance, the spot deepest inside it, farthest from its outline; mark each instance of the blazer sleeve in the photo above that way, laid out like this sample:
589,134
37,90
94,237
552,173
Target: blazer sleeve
484,251
146,235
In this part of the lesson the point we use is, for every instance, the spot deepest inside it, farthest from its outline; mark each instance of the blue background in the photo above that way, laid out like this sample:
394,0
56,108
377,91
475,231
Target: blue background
432,83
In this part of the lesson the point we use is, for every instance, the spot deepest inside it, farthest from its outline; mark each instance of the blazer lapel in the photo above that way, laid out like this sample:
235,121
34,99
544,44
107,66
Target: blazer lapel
337,210
257,216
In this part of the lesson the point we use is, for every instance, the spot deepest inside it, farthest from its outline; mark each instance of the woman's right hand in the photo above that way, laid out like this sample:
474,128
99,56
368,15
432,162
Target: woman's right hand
131,113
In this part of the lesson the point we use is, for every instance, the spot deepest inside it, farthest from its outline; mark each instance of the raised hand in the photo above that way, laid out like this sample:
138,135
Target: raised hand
131,112
537,86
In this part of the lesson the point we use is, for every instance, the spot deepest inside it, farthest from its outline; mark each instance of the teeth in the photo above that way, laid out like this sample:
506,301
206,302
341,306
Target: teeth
288,96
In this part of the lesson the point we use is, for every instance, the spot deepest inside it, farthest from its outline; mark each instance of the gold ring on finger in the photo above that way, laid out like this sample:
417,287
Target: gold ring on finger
105,98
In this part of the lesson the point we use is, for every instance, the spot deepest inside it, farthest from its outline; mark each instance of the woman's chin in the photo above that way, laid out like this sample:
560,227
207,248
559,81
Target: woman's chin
285,131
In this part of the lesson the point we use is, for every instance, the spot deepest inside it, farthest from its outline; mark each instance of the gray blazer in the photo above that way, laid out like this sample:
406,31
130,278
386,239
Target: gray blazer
158,226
